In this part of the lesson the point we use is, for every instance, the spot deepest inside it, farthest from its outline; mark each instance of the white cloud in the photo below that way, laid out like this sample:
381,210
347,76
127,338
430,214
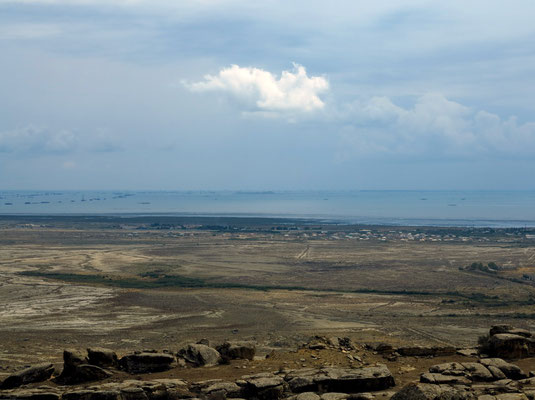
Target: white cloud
260,90
433,125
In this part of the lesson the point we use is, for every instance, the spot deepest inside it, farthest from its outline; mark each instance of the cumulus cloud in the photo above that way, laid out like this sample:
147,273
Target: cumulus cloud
433,125
260,90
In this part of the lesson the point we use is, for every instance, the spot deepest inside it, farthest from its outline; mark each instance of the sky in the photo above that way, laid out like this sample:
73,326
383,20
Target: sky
267,95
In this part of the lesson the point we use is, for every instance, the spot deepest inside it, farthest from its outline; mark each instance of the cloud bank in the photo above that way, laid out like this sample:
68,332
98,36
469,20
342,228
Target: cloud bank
260,90
433,125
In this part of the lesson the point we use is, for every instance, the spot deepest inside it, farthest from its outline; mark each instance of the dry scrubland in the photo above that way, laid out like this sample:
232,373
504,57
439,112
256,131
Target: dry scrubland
135,283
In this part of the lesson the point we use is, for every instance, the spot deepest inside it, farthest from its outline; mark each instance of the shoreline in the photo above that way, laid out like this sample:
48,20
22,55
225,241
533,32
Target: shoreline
298,220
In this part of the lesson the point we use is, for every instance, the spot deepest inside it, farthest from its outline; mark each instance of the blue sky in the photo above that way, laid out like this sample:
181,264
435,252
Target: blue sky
231,94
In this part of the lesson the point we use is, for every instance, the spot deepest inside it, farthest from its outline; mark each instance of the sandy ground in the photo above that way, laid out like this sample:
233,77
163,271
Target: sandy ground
40,316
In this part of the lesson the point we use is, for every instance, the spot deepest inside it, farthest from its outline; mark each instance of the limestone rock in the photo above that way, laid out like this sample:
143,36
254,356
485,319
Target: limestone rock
452,368
423,391
478,372
496,372
383,348
92,395
504,396
222,390
508,345
30,394
441,379
83,373
363,396
340,380
237,350
334,396
511,371
102,357
146,362
37,373
72,358
498,329
307,396
200,355
263,386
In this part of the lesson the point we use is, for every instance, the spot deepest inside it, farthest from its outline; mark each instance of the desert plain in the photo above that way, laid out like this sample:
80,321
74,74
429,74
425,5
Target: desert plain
158,282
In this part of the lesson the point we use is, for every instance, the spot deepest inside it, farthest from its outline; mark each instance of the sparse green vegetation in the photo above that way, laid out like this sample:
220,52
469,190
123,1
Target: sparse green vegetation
491,267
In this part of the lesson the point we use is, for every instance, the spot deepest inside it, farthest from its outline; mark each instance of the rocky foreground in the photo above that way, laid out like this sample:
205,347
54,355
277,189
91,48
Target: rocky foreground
199,371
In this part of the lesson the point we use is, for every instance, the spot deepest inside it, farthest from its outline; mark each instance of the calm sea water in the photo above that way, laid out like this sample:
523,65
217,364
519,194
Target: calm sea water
444,208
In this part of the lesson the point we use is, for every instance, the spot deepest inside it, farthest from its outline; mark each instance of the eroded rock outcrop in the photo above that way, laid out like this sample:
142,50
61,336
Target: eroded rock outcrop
506,341
200,355
76,369
425,391
37,373
146,362
343,380
263,386
237,350
102,357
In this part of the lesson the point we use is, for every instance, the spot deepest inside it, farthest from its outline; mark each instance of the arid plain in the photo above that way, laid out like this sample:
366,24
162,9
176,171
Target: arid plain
159,282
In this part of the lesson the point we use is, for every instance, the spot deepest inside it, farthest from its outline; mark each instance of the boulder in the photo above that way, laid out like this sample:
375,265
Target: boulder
159,389
508,345
30,394
263,386
423,351
71,360
37,373
342,380
133,389
146,362
221,390
200,355
441,379
498,329
484,371
383,348
307,396
102,357
423,391
496,372
335,396
478,372
504,396
237,350
88,394
452,368
511,371
365,396
133,393
83,373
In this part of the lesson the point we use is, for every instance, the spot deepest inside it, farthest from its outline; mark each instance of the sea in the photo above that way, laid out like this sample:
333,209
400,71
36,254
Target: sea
370,207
